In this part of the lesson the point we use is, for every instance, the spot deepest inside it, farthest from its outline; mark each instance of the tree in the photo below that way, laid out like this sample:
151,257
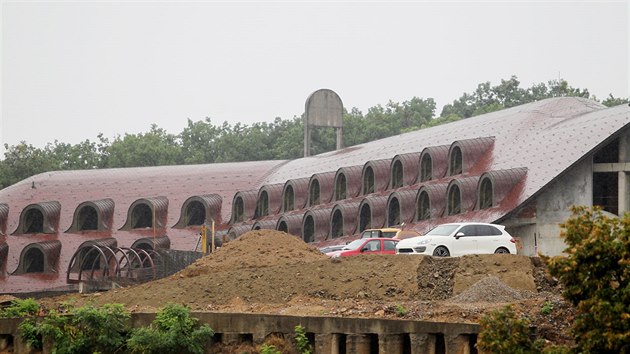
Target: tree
154,148
612,101
199,142
596,276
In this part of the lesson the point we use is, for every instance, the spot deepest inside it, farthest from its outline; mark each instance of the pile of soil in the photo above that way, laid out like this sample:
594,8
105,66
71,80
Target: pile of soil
268,271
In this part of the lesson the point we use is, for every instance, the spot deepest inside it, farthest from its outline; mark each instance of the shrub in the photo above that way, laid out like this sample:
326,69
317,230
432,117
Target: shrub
301,341
596,276
172,331
20,308
268,349
400,310
546,308
87,329
503,333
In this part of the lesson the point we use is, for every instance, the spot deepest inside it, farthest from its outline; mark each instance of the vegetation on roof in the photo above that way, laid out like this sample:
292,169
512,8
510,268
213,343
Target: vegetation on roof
205,142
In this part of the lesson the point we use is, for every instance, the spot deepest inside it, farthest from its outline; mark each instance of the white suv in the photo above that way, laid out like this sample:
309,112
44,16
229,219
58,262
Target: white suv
459,239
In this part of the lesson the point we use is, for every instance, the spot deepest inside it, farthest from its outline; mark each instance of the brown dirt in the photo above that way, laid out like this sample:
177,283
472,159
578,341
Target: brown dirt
269,271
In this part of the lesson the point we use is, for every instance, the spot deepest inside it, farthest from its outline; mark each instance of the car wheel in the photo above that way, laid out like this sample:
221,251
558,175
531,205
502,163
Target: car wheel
502,251
441,251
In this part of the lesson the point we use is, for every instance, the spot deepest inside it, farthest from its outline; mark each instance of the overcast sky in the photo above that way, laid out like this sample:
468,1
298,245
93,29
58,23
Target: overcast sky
71,70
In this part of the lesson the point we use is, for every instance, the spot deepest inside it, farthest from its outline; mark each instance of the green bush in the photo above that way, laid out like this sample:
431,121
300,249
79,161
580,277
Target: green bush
172,331
596,276
301,341
268,349
503,333
20,308
86,329
400,310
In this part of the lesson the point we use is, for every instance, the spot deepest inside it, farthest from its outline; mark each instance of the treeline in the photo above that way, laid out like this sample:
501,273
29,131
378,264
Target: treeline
206,142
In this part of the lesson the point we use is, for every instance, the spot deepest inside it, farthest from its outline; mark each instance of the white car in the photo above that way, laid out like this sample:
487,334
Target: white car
459,239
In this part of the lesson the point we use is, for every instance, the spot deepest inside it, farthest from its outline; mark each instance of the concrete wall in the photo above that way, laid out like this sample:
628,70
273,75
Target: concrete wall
329,334
540,231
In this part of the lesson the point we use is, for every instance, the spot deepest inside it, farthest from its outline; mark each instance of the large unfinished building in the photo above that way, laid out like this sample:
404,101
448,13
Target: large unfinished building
522,167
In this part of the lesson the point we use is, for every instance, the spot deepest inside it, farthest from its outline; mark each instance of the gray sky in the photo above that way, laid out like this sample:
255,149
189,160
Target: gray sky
73,69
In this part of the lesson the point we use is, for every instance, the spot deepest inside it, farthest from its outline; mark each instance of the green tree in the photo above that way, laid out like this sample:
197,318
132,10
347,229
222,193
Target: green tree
612,101
503,332
596,276
199,142
154,148
22,161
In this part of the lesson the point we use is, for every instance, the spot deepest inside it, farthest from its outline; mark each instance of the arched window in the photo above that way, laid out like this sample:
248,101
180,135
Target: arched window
195,213
393,213
340,188
454,200
309,229
313,193
424,206
455,163
88,219
262,209
365,217
282,226
426,168
337,224
289,198
397,175
34,221
239,209
368,181
33,261
141,217
485,194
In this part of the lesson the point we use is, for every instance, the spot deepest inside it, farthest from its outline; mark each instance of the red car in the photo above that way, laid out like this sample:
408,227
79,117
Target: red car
367,246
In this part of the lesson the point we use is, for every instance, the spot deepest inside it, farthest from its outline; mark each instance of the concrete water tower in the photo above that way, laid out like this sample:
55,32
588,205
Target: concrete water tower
323,109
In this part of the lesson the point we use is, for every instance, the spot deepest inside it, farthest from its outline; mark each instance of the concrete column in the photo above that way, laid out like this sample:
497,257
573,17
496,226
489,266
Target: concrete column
339,138
390,343
358,344
624,176
327,343
422,343
457,344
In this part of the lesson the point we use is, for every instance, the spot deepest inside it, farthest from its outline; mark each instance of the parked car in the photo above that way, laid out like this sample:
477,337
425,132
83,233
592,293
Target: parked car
389,232
458,239
367,246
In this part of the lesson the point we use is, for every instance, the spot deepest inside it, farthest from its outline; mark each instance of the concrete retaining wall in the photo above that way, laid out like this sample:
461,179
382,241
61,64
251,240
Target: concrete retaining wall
327,334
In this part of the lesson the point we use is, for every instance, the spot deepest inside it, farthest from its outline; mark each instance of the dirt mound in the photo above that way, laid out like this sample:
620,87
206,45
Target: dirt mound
256,249
490,289
267,271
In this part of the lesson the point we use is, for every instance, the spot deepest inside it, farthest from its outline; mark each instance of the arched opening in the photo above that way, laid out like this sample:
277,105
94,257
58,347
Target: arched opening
397,175
239,208
426,168
34,261
89,258
393,213
455,163
313,193
365,218
256,227
309,229
454,200
141,217
262,208
195,213
368,181
282,226
88,219
424,206
340,187
144,246
337,224
34,221
289,199
485,194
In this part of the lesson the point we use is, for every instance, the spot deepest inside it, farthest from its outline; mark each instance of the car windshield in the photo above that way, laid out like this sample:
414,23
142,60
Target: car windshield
354,245
442,230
